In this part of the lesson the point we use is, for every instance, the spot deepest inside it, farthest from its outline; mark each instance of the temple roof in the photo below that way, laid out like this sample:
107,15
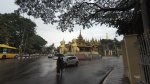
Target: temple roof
80,40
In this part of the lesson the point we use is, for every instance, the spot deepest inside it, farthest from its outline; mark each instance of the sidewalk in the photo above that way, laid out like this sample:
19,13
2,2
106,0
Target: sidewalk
116,76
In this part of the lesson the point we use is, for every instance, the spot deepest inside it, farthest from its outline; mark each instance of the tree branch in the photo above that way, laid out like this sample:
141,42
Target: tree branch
112,9
123,3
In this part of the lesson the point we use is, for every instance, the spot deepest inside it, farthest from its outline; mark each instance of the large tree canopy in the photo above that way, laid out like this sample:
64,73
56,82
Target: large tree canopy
17,30
35,44
14,28
116,13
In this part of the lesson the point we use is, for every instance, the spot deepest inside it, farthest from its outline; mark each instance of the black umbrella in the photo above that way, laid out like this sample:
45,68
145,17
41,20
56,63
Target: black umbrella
61,55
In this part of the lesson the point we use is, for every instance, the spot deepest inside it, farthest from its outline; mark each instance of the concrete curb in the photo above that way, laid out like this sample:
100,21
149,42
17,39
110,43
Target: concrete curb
103,81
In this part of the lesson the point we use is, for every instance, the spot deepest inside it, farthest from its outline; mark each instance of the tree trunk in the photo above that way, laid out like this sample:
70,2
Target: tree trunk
145,17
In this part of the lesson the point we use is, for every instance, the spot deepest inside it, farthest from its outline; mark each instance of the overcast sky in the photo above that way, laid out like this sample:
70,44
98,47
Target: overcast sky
52,35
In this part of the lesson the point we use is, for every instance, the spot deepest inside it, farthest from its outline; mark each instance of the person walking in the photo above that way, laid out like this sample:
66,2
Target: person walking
58,65
61,65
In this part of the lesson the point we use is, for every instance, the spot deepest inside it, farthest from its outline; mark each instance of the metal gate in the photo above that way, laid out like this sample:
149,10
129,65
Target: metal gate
143,44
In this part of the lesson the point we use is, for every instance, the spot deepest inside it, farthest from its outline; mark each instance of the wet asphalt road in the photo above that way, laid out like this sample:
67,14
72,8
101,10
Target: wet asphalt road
43,71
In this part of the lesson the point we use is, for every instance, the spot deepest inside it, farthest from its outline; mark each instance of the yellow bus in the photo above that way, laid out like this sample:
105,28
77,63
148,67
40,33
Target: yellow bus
7,51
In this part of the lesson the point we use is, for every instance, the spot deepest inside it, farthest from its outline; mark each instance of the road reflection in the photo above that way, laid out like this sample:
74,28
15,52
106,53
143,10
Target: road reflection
6,61
12,69
43,71
46,66
59,79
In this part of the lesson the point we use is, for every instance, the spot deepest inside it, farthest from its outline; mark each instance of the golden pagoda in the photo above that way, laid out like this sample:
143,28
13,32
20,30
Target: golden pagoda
85,46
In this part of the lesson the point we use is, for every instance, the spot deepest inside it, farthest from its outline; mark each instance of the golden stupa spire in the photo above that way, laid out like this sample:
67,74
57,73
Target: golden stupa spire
107,36
80,33
92,37
63,40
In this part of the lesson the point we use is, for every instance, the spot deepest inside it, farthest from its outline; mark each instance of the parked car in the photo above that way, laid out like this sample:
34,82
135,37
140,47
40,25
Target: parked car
50,55
70,60
55,57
